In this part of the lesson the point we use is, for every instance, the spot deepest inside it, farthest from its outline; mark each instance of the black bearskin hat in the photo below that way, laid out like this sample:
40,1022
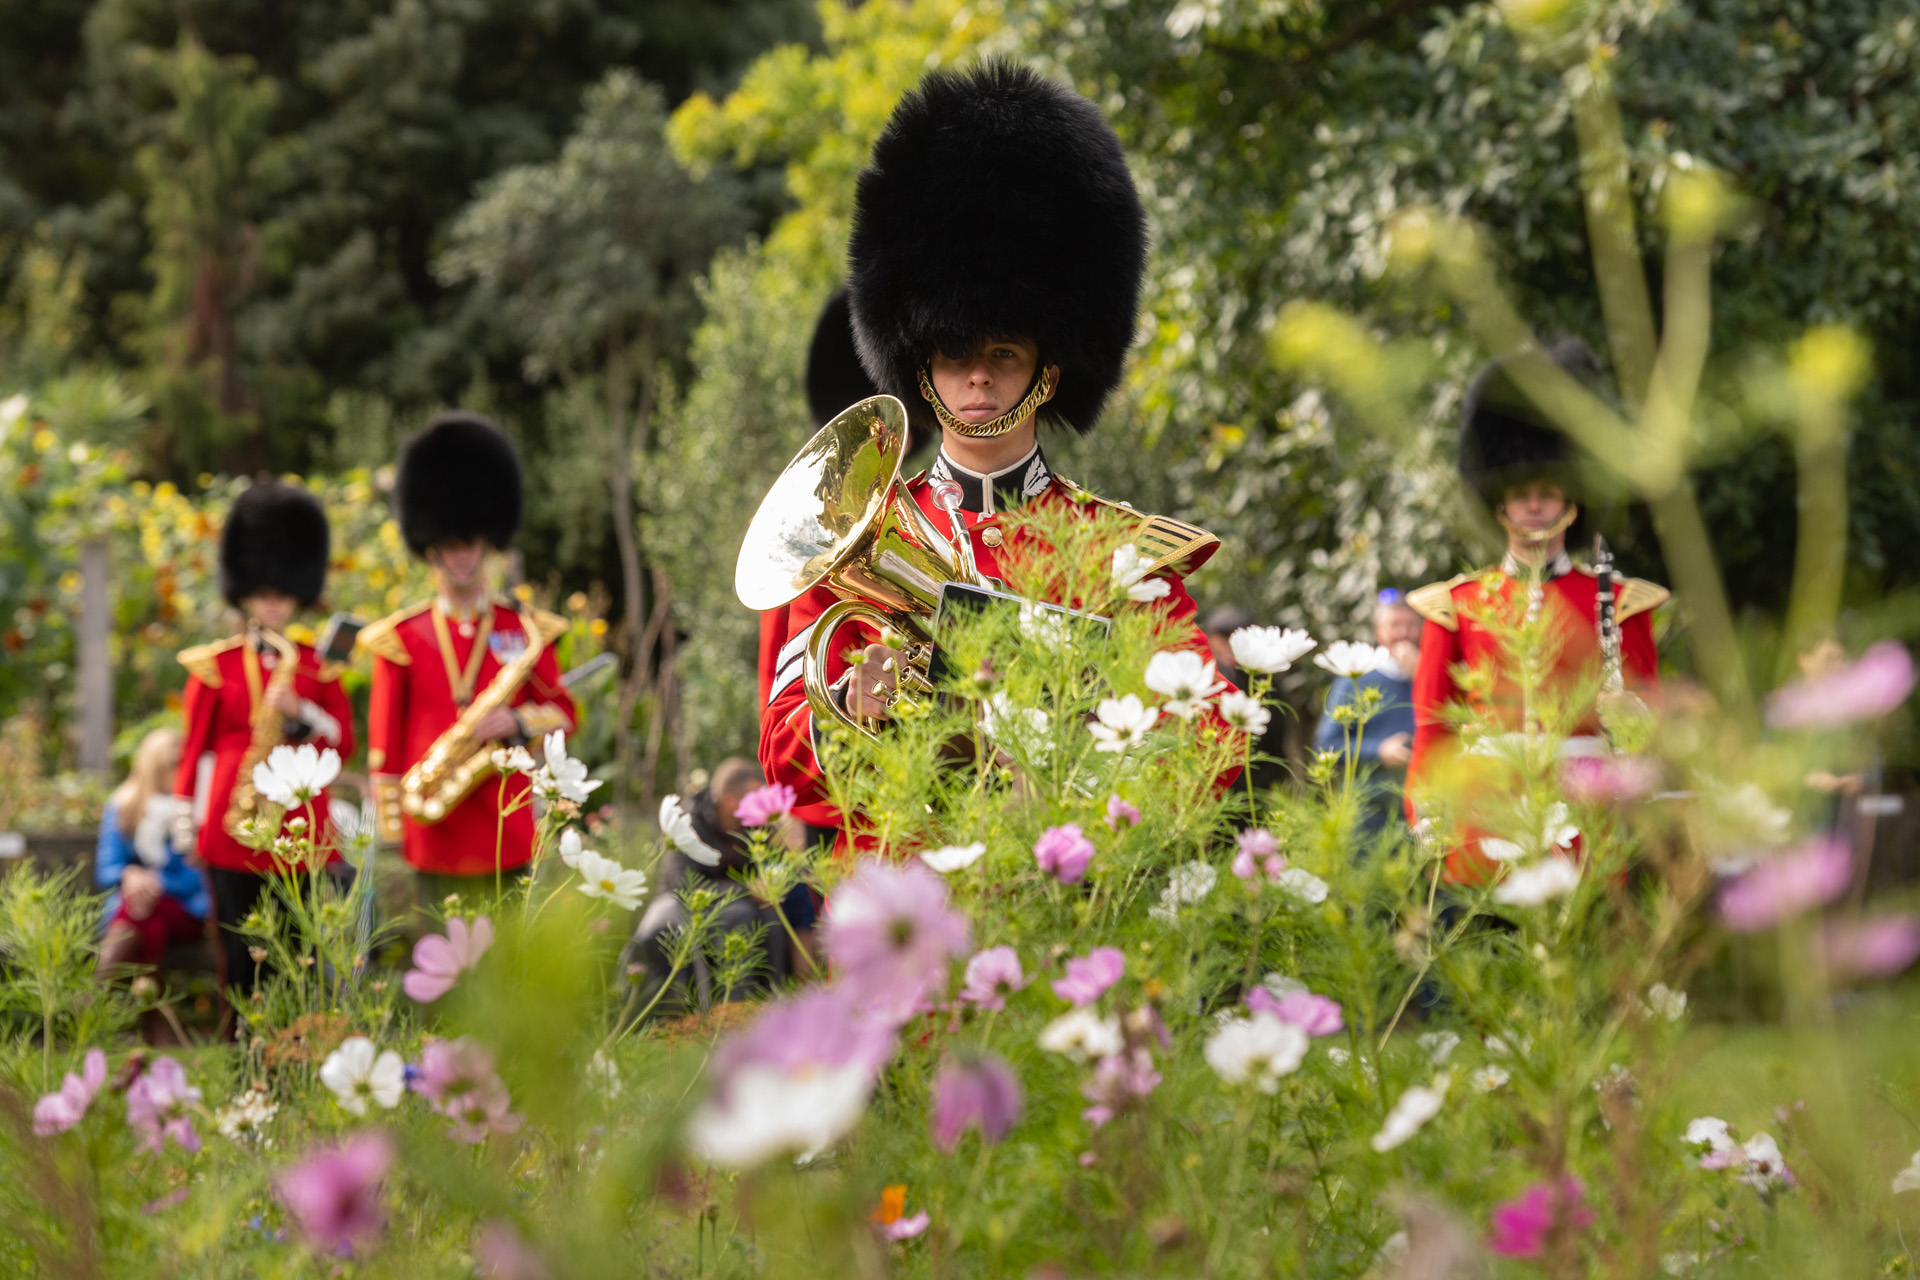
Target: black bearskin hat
1506,441
997,204
835,379
459,479
275,538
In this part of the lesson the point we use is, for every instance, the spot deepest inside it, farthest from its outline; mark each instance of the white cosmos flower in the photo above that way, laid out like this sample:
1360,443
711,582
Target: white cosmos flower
1043,626
1256,1051
356,1074
1664,1002
1710,1132
1547,834
1130,567
1023,727
955,857
1908,1179
571,848
1538,884
1297,882
1762,1167
246,1115
602,877
1269,650
1488,1078
1350,658
512,760
561,776
1188,882
678,824
1438,1045
1244,712
1083,1035
291,776
766,1112
1121,723
1411,1113
1184,678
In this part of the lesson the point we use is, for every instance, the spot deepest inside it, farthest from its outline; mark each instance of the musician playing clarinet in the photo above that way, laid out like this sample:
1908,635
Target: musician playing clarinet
1522,469
457,498
994,275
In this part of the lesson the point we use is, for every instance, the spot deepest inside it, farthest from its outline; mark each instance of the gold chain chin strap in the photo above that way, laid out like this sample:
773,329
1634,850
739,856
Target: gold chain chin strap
1534,537
995,426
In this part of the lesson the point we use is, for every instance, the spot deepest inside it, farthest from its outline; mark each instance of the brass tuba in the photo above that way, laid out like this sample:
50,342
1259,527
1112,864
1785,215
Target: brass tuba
839,516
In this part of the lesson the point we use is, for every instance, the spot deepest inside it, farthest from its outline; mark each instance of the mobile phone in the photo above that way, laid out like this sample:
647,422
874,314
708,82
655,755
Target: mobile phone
336,640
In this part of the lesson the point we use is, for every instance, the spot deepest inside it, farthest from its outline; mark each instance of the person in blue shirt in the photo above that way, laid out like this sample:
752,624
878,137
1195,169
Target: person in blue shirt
157,896
1386,738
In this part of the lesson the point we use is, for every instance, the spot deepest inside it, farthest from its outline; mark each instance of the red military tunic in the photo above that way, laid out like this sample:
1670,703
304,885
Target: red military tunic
224,685
1456,635
413,702
786,726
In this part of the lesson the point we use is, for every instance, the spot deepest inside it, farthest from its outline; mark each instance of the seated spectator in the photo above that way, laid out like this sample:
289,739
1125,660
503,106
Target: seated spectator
1386,736
1219,626
159,897
708,845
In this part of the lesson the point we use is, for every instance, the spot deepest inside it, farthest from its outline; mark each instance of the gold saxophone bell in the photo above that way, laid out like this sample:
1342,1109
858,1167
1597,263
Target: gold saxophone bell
838,516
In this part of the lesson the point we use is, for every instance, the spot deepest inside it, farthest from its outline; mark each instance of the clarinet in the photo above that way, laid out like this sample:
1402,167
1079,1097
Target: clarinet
1609,627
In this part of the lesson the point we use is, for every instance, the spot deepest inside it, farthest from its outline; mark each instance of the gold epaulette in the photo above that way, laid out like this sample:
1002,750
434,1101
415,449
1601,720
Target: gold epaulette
1172,544
1637,595
201,659
1434,602
380,638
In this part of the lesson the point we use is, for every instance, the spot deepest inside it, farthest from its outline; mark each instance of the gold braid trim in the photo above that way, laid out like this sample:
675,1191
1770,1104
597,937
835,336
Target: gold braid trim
994,426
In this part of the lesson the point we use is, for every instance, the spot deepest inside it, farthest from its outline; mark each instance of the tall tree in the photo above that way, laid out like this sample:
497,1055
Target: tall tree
590,262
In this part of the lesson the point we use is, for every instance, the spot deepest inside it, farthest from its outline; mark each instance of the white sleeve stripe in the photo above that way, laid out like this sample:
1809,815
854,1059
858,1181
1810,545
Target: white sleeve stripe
784,680
795,646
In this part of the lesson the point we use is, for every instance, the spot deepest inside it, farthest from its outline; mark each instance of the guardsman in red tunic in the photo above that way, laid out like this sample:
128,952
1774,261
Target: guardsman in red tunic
995,265
463,665
261,688
1521,468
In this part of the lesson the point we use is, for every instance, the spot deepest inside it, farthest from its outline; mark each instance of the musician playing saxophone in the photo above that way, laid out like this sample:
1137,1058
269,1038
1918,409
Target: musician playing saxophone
993,275
273,564
457,498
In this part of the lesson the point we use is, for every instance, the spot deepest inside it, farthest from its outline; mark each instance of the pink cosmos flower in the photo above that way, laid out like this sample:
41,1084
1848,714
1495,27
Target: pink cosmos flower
1064,852
992,976
1315,1015
1090,975
889,935
1601,780
1119,813
157,1105
1258,845
1867,690
438,962
1814,874
1118,1080
504,1255
980,1093
333,1196
1521,1226
761,806
817,1029
457,1077
59,1111
1877,948
906,1228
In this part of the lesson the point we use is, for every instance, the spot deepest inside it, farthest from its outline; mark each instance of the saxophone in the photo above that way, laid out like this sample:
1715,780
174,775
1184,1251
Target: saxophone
457,762
244,807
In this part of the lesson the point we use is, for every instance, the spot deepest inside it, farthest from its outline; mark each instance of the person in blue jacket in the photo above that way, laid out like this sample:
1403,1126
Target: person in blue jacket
1386,738
157,896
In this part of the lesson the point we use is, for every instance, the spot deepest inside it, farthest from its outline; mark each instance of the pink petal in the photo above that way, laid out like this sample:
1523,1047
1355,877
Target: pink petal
425,987
436,954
